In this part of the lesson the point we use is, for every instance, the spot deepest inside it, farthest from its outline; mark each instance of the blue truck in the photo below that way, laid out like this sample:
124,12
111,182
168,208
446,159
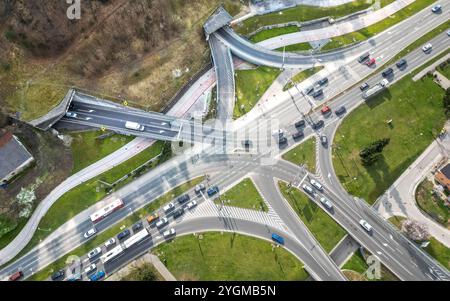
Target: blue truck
97,276
277,238
212,191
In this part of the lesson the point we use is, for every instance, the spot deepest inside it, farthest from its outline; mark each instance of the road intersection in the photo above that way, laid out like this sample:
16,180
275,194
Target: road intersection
390,247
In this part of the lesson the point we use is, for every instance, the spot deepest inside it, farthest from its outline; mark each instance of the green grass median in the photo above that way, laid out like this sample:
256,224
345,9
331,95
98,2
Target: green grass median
304,153
327,232
250,87
243,195
302,13
273,32
89,147
217,256
417,115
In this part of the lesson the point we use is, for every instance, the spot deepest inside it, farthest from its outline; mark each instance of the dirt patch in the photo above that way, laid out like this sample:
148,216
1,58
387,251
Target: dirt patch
353,276
143,51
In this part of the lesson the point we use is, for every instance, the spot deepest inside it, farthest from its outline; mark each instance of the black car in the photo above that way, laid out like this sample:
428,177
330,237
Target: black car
136,227
323,81
318,124
401,63
282,140
309,90
364,86
363,57
297,135
387,72
340,111
177,213
123,234
58,275
317,93
183,199
300,124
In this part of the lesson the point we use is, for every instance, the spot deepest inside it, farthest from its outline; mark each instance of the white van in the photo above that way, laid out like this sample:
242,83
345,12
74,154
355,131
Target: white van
134,126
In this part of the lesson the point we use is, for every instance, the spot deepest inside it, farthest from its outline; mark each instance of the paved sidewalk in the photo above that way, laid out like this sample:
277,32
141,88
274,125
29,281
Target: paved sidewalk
336,29
431,68
154,260
400,197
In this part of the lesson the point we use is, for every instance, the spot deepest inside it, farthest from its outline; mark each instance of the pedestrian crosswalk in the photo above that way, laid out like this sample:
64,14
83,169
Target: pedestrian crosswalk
209,209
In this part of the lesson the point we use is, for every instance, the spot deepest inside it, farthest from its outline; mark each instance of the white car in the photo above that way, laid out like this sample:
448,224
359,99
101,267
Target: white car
427,47
308,189
169,233
162,222
90,232
94,252
71,114
191,204
365,225
110,242
90,268
316,184
326,202
169,207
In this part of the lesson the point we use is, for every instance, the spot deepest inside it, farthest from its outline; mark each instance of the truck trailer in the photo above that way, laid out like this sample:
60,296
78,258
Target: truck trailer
375,89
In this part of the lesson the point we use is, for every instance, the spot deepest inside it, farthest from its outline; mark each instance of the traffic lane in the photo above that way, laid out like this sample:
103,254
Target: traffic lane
155,232
107,109
105,121
271,193
74,236
257,54
352,220
248,50
155,121
390,252
403,245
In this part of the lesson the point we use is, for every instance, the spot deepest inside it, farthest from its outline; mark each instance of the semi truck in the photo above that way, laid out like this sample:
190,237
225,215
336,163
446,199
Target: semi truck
134,126
375,89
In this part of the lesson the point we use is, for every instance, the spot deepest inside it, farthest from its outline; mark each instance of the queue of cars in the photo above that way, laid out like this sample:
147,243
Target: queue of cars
154,219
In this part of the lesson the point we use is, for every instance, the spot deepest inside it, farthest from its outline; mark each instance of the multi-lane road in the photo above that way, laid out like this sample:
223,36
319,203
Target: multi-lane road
396,252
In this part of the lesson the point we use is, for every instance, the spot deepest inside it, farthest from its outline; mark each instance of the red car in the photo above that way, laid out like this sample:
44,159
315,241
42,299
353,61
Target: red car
16,276
370,62
325,110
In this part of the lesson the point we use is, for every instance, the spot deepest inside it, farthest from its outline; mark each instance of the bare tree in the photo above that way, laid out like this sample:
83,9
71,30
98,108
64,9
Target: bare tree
415,230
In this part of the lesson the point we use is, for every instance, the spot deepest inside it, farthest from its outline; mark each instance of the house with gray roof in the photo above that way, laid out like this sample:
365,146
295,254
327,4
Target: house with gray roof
14,157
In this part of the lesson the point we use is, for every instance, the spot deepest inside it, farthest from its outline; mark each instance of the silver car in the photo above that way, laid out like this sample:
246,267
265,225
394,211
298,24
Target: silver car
308,189
169,207
169,233
162,222
90,268
316,184
326,202
94,252
90,232
365,225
